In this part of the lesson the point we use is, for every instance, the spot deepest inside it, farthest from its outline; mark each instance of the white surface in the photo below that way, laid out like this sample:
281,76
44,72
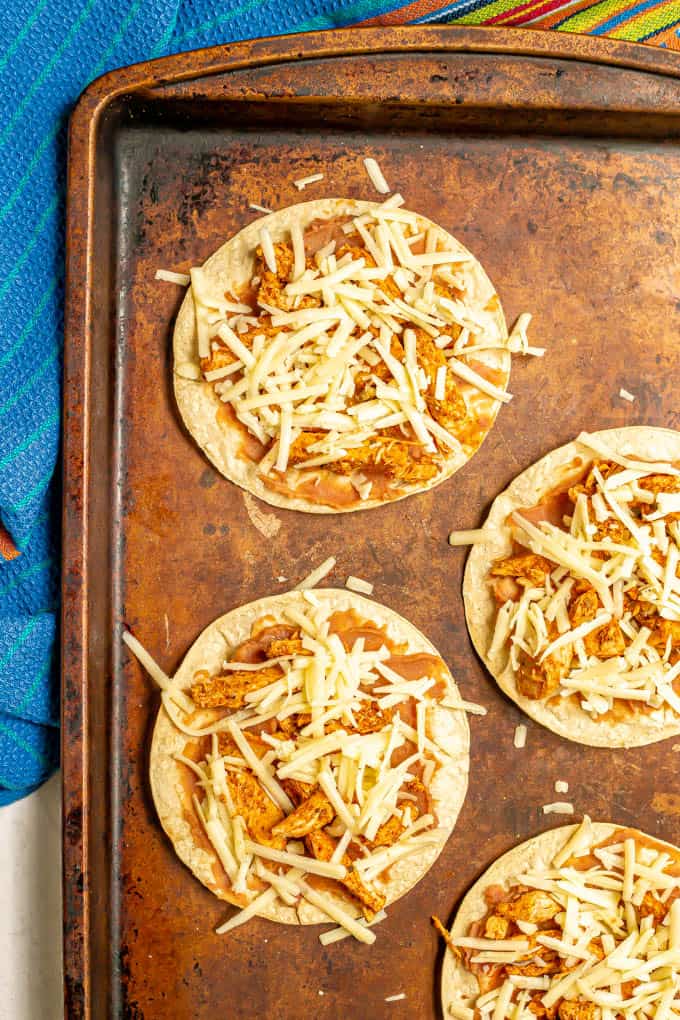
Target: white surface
30,906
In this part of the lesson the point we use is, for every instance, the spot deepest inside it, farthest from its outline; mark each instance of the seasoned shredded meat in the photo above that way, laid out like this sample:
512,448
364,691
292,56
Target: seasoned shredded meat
538,680
528,568
534,906
297,790
321,845
225,744
222,357
389,832
661,483
571,1010
496,927
230,691
663,630
589,485
652,906
311,814
271,290
286,646
399,460
614,530
370,718
542,1012
605,642
257,810
584,607
452,410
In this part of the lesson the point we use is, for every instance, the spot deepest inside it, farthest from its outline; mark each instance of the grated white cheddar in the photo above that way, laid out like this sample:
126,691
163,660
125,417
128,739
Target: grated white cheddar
626,395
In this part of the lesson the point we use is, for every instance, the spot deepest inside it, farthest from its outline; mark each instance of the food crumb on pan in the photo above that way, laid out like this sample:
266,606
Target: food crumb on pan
559,807
395,998
268,524
377,177
316,575
626,395
302,182
260,208
281,579
675,747
520,737
561,786
358,584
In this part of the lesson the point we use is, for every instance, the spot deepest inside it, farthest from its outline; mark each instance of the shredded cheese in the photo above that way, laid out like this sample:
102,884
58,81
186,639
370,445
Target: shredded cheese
316,575
302,182
359,585
559,807
376,175
520,737
471,537
181,279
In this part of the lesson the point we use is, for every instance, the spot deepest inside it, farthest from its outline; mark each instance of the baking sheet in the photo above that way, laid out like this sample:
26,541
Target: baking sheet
556,162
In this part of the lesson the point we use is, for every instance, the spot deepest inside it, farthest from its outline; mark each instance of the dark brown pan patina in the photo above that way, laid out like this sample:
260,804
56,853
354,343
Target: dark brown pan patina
557,161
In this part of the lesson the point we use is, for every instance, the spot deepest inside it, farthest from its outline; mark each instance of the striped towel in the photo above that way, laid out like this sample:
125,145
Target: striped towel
52,50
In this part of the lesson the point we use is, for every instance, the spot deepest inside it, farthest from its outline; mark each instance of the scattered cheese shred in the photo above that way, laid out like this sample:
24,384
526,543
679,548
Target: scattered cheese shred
302,182
626,395
561,786
396,998
359,585
459,368
376,175
559,807
470,537
327,938
181,279
318,574
520,737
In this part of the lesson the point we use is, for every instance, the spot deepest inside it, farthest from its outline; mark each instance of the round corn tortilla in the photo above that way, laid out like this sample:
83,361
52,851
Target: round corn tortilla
560,714
448,726
231,267
459,986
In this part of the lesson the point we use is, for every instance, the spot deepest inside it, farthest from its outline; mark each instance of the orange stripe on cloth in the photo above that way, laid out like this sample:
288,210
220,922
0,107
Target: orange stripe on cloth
8,550
417,9
668,37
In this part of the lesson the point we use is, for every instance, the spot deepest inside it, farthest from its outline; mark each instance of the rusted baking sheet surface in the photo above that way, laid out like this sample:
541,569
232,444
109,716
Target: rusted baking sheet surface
556,160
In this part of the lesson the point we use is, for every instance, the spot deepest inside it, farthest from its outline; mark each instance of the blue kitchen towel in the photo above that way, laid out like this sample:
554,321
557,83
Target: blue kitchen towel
51,52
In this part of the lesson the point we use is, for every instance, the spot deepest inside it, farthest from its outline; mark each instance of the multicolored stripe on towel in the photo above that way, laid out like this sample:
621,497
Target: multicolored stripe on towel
656,22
